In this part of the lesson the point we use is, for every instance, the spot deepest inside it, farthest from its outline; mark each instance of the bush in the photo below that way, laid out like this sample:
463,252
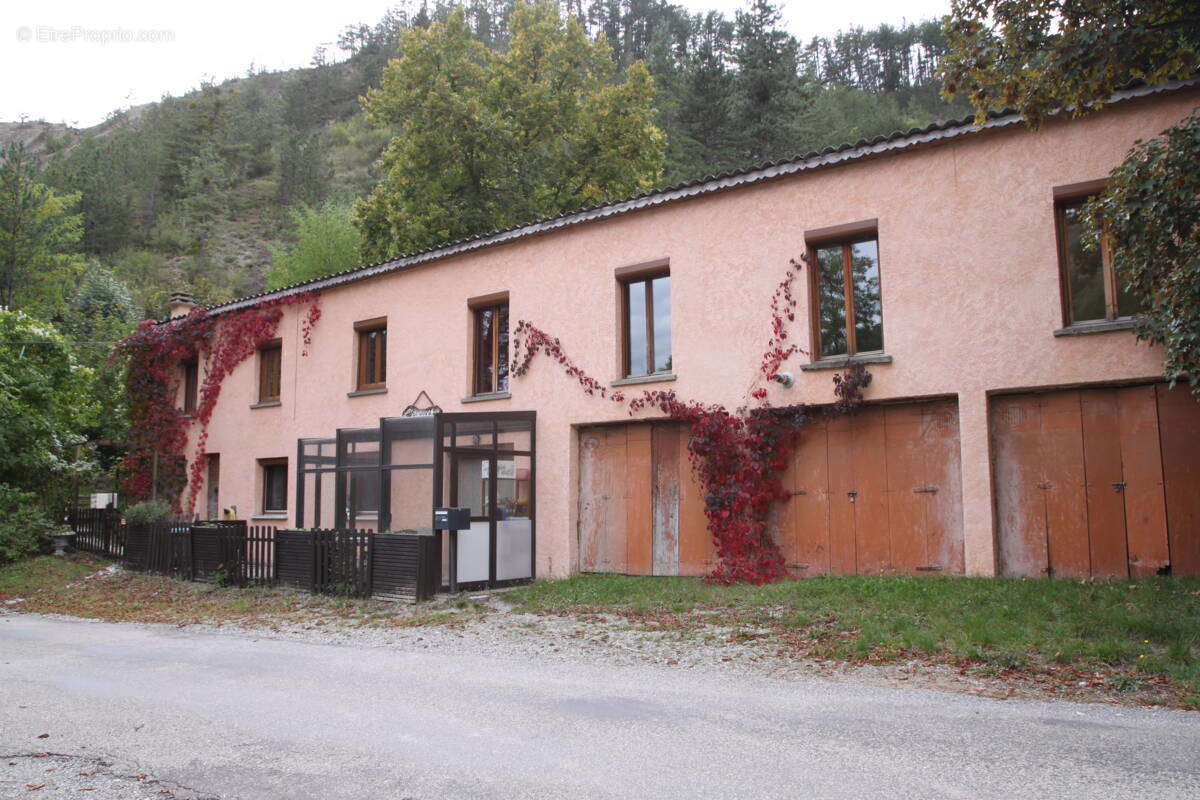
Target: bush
23,526
149,511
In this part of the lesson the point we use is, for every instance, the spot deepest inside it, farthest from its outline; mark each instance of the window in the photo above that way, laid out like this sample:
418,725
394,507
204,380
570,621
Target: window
270,361
372,353
491,348
274,484
191,385
647,325
848,318
1091,291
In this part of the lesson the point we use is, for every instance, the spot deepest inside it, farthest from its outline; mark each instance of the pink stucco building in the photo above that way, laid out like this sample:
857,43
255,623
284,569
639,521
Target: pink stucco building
1014,425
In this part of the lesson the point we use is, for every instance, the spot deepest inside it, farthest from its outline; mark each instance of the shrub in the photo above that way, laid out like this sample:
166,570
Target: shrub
149,511
23,526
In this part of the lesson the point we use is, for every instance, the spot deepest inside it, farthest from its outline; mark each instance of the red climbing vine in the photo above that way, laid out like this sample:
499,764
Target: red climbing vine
153,353
739,457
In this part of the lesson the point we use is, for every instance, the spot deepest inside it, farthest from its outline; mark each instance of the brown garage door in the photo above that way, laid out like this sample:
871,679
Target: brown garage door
876,491
641,511
1098,482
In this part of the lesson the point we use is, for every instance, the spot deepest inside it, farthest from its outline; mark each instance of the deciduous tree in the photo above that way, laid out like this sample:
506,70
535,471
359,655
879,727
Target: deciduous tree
39,235
490,139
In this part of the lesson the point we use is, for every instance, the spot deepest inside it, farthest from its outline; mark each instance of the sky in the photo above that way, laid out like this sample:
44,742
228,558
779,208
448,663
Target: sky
75,62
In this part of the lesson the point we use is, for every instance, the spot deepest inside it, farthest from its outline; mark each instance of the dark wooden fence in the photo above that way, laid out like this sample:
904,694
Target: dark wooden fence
98,530
393,566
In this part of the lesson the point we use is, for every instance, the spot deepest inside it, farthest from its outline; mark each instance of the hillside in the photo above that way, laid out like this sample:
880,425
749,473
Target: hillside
201,191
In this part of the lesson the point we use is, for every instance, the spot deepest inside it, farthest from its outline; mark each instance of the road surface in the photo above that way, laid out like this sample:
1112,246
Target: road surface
232,716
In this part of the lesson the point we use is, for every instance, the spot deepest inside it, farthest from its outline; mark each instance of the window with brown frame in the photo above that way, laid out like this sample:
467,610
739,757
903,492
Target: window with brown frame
191,385
1091,289
491,348
646,324
270,362
274,484
848,313
372,353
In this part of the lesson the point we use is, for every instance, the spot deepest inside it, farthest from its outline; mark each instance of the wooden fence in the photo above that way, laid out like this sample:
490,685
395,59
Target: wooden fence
394,566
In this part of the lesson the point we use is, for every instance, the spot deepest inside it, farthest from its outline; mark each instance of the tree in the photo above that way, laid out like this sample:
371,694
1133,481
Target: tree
44,402
1042,55
488,140
326,242
304,171
39,234
1038,55
206,182
769,92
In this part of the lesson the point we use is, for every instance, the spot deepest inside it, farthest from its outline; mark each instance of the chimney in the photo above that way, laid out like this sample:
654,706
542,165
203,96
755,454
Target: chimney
180,305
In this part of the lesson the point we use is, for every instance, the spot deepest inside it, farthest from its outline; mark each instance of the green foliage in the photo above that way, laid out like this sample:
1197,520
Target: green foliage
1151,214
44,402
326,242
23,525
39,234
304,171
490,139
1039,55
147,512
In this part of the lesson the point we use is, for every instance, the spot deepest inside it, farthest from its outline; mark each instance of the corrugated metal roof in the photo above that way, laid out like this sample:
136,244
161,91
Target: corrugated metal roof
830,156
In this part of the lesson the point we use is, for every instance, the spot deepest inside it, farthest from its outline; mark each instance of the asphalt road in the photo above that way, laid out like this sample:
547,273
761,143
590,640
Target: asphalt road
237,717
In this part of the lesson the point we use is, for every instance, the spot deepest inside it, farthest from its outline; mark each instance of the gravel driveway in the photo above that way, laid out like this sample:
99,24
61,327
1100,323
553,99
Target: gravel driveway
448,714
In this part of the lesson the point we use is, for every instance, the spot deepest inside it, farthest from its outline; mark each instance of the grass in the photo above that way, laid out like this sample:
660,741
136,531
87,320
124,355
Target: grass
49,585
1126,636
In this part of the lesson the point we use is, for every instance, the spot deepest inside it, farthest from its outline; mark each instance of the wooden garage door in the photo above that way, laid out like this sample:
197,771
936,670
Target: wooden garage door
876,491
641,511
1097,482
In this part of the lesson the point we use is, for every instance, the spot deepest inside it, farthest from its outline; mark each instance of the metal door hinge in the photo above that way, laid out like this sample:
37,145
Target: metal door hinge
930,568
1045,485
799,491
1119,485
926,490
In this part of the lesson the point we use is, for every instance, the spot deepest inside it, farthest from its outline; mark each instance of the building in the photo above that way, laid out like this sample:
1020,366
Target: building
1014,425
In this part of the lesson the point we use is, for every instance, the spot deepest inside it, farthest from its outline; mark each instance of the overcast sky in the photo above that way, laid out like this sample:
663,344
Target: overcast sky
75,62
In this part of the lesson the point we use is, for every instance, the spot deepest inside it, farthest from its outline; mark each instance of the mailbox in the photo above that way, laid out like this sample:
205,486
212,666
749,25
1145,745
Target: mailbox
451,519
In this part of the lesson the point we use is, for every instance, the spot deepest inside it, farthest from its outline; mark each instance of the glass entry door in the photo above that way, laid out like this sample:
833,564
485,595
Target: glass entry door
488,466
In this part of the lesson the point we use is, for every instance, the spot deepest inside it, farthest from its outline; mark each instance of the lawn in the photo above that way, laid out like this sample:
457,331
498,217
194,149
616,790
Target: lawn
1123,635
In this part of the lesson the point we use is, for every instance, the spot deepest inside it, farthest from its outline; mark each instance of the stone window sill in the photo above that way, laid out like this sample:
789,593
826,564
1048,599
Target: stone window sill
270,515
634,380
365,392
1098,326
267,404
841,362
483,398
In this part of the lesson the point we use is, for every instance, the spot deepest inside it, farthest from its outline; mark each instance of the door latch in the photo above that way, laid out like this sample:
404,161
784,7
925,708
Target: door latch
1119,486
852,495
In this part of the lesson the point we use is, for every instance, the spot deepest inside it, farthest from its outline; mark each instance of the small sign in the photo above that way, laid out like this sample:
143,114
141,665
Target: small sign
415,409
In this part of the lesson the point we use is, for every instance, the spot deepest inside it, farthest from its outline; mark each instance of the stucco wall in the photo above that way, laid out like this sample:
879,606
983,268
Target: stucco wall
970,289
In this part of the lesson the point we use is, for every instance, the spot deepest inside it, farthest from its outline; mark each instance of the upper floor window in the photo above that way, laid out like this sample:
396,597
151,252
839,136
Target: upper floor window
372,353
491,347
270,362
646,320
1091,290
274,484
191,385
848,317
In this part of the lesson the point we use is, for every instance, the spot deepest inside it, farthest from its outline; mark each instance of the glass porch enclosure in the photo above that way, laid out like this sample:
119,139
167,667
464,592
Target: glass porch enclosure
389,478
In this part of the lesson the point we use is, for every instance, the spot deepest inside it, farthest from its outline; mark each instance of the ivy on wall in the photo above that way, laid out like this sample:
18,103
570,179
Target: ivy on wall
739,456
156,461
